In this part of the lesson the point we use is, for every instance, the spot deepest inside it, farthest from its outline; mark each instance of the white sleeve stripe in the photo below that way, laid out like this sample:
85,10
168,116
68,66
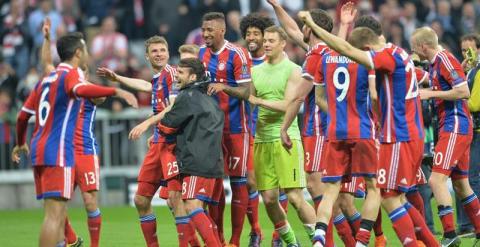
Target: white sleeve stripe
446,61
30,111
370,59
460,84
76,86
243,81
372,76
171,72
307,76
239,52
318,83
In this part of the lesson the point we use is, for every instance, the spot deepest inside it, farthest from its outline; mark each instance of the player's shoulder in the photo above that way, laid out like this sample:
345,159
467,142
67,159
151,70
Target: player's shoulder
238,50
318,49
170,70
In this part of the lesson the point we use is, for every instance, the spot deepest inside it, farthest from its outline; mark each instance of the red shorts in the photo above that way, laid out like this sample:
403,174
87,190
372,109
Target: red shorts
237,154
53,182
87,172
159,164
173,184
398,165
250,166
195,187
452,155
314,150
420,177
349,157
356,187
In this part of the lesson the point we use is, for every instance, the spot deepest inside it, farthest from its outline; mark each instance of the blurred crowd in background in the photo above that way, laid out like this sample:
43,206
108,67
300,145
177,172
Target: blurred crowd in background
116,29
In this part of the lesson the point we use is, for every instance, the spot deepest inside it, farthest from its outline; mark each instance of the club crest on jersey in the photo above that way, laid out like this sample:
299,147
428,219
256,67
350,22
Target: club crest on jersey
221,65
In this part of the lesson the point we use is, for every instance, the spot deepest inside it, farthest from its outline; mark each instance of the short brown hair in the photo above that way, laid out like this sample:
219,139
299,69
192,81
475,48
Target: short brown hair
471,37
195,66
155,40
360,37
188,48
322,19
276,29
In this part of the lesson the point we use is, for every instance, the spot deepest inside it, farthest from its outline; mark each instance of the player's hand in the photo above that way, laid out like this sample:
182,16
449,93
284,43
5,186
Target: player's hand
425,93
127,96
17,151
149,141
286,142
305,17
98,101
46,28
348,13
138,130
107,73
214,88
274,3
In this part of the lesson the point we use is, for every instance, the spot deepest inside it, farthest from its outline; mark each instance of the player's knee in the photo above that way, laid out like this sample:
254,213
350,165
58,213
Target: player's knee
90,201
295,197
269,199
141,202
462,187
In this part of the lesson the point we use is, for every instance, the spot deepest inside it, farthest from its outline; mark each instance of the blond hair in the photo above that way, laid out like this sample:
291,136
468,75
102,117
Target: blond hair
187,48
425,36
276,29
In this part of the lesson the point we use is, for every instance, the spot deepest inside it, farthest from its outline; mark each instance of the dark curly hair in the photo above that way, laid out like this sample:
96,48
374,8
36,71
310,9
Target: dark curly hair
255,20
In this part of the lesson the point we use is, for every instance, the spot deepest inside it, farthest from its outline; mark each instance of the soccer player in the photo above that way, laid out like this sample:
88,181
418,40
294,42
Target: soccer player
229,69
401,134
198,121
53,102
86,167
450,91
160,162
252,27
343,91
275,167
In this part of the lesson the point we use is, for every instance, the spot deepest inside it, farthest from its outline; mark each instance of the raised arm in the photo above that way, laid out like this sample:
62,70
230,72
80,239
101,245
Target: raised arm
289,24
136,84
347,15
138,130
336,43
46,54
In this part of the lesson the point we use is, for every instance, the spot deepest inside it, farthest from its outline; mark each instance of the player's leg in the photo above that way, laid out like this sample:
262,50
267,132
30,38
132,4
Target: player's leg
396,172
344,230
216,208
267,184
148,183
52,231
469,201
277,216
447,151
256,235
239,158
185,228
347,205
88,179
195,191
401,221
94,216
364,163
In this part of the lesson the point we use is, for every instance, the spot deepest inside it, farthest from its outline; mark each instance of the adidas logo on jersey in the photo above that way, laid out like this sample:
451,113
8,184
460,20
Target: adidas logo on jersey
403,181
202,190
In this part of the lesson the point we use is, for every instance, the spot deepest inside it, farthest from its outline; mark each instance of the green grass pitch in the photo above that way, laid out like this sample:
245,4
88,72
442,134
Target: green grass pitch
120,227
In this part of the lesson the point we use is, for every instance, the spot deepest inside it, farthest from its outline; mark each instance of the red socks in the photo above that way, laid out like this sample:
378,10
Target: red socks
70,235
416,200
403,226
344,230
94,225
472,208
239,207
422,231
148,223
446,216
252,212
216,213
377,227
283,199
204,227
354,222
182,230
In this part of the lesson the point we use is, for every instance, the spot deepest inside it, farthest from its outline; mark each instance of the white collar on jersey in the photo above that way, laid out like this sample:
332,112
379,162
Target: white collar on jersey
221,49
66,65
